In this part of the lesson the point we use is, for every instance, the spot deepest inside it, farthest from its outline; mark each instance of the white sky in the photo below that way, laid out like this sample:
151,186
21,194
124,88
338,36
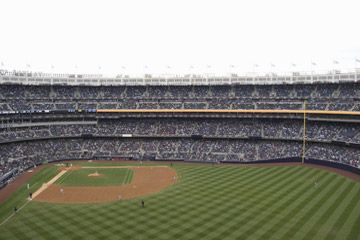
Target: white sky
179,34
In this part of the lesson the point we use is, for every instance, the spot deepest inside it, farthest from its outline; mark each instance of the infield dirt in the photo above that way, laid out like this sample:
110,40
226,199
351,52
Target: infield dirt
146,180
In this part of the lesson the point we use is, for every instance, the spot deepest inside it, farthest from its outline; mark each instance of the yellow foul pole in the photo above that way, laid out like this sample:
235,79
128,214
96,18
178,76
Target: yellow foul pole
304,134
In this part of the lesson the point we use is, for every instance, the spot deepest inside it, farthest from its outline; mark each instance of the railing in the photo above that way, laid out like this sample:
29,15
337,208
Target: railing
30,78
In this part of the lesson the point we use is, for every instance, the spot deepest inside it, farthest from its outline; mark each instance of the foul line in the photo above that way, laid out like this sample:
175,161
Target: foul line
40,190
13,214
46,185
54,179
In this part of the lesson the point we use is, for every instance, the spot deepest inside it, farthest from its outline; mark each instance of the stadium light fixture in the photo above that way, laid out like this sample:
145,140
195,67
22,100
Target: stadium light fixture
293,66
335,62
255,66
231,69
357,60
272,67
312,67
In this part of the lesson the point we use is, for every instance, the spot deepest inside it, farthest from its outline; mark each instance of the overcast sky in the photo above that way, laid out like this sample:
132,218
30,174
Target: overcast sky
178,36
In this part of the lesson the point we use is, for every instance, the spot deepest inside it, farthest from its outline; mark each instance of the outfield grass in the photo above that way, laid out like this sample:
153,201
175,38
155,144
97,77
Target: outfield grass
210,203
19,198
115,176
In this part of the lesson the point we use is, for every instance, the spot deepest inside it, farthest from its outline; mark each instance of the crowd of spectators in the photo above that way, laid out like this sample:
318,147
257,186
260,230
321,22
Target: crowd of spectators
225,139
169,127
24,154
344,96
295,91
17,105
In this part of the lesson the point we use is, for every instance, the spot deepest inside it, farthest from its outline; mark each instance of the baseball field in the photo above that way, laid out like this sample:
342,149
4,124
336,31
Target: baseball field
183,201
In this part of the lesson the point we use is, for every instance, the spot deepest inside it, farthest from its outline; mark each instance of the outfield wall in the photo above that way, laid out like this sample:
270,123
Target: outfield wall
331,164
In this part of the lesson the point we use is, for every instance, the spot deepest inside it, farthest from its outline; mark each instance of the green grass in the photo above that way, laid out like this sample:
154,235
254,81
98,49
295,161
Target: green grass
210,202
112,176
19,197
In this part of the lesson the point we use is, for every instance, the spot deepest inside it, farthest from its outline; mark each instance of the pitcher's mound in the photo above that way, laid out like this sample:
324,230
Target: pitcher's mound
95,174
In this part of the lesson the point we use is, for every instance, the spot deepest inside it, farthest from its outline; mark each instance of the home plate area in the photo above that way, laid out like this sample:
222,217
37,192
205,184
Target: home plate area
78,184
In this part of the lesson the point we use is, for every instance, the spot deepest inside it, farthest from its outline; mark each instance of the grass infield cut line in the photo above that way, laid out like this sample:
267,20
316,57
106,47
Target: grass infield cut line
128,177
63,177
103,177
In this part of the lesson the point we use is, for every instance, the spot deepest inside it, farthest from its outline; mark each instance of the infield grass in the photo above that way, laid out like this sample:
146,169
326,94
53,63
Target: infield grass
210,202
108,177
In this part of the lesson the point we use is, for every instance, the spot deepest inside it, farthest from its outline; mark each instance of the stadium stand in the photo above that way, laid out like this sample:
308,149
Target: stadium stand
51,122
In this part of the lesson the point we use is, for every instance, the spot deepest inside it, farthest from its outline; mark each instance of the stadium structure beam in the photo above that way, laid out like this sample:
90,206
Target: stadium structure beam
302,111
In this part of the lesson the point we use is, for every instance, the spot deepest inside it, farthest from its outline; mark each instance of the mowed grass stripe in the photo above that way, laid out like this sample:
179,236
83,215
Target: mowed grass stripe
27,229
220,180
319,208
220,176
39,219
261,178
262,212
255,198
183,215
180,208
321,226
341,220
306,194
129,176
69,221
312,206
19,197
354,232
209,202
275,205
233,228
193,189
249,212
